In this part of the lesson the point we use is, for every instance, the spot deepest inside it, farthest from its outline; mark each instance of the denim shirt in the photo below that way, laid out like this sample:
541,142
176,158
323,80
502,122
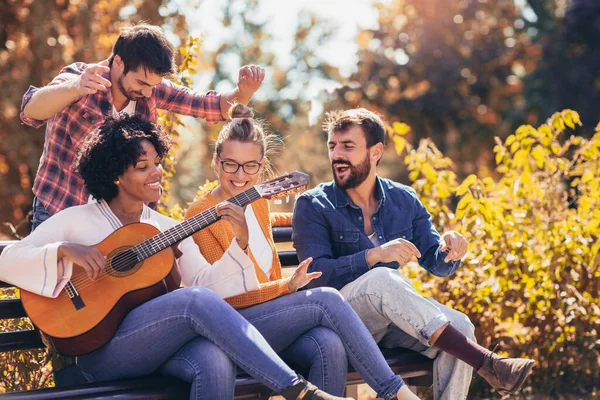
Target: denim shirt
329,227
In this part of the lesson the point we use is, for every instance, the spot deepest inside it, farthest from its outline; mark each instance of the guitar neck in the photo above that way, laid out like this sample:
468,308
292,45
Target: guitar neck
188,227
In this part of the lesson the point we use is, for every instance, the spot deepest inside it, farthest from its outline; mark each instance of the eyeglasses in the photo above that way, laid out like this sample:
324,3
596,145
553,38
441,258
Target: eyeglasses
249,167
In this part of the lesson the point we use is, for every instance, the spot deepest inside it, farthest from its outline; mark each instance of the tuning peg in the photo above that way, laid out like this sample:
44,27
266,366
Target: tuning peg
277,201
287,199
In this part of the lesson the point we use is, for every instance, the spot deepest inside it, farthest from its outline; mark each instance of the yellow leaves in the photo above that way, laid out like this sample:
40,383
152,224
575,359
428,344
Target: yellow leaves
400,128
208,187
413,175
499,156
397,132
538,155
466,184
524,131
510,140
545,130
571,118
514,147
429,173
587,176
463,205
520,158
500,150
399,144
556,148
557,122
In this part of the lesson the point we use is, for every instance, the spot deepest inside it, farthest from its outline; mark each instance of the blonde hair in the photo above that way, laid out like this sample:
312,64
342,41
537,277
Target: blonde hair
244,128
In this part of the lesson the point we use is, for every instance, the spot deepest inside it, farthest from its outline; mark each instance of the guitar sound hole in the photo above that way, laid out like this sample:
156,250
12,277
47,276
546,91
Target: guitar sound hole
122,262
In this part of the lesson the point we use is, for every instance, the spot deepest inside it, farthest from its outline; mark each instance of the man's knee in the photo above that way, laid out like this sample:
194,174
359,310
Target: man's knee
382,281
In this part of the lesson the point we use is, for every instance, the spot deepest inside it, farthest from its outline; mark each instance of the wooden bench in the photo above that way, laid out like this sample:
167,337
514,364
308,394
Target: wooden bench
413,367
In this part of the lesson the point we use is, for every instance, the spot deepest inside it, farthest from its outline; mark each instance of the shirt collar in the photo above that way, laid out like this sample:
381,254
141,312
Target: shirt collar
342,199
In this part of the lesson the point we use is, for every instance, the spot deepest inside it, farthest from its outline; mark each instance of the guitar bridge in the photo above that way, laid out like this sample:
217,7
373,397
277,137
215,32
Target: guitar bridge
74,296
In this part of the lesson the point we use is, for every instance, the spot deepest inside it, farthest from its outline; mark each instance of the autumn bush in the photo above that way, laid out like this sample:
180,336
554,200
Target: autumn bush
530,282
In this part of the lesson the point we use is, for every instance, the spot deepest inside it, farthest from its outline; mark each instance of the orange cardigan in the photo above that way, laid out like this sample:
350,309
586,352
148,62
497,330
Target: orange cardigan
215,239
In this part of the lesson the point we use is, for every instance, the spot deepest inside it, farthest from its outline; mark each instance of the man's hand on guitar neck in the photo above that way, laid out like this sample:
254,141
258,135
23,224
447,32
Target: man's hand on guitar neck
235,216
88,258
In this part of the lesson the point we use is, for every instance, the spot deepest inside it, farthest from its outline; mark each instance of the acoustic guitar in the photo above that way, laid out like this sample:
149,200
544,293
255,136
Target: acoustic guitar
140,266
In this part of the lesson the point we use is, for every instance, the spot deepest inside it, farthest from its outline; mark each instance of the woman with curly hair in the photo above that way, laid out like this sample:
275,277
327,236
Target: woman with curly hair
309,328
190,333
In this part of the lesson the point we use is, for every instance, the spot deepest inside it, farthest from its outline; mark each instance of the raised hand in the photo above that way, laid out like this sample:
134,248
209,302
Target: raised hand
235,216
250,78
301,276
456,243
88,258
91,81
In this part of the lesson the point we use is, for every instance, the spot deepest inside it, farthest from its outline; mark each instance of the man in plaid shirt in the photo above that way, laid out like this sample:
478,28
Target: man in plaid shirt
82,96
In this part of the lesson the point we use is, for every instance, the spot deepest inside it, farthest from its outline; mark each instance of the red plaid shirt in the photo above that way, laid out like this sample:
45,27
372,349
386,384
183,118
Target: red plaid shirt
56,184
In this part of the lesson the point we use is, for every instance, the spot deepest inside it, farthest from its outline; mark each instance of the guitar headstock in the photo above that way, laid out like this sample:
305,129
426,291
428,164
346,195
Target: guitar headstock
283,185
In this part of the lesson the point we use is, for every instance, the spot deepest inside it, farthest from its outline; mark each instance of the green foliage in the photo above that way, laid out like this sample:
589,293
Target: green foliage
530,281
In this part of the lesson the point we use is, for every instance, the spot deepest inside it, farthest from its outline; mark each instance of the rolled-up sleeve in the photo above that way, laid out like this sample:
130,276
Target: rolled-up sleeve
65,75
36,123
311,239
182,100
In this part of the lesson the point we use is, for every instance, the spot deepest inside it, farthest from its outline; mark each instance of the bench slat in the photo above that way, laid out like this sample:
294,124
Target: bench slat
11,308
412,366
21,340
282,234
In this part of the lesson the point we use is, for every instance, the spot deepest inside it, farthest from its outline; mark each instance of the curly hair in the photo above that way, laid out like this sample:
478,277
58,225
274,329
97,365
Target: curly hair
115,146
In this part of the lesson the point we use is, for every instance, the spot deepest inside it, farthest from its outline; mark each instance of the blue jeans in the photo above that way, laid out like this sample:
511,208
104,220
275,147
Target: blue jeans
281,321
40,214
191,334
320,356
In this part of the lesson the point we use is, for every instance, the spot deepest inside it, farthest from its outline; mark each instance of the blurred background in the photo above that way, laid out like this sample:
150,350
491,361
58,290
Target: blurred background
457,73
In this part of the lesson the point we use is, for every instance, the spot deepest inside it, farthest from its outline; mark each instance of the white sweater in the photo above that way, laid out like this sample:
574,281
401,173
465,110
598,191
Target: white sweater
32,264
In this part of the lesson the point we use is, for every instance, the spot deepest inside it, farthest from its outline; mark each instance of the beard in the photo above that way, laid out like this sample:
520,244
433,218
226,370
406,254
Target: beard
131,95
357,173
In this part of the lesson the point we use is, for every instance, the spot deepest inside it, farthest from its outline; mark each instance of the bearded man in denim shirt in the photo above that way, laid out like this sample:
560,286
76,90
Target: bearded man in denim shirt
360,228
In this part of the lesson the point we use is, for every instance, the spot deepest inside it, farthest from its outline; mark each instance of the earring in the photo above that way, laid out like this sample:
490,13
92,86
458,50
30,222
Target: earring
117,182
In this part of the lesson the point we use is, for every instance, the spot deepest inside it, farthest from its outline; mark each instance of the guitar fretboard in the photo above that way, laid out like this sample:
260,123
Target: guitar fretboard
187,228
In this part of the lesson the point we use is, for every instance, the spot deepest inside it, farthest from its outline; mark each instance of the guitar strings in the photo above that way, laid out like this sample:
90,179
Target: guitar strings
84,281
205,218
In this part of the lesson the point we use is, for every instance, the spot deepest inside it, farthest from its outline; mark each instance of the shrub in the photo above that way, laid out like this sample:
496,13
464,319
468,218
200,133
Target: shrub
530,281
